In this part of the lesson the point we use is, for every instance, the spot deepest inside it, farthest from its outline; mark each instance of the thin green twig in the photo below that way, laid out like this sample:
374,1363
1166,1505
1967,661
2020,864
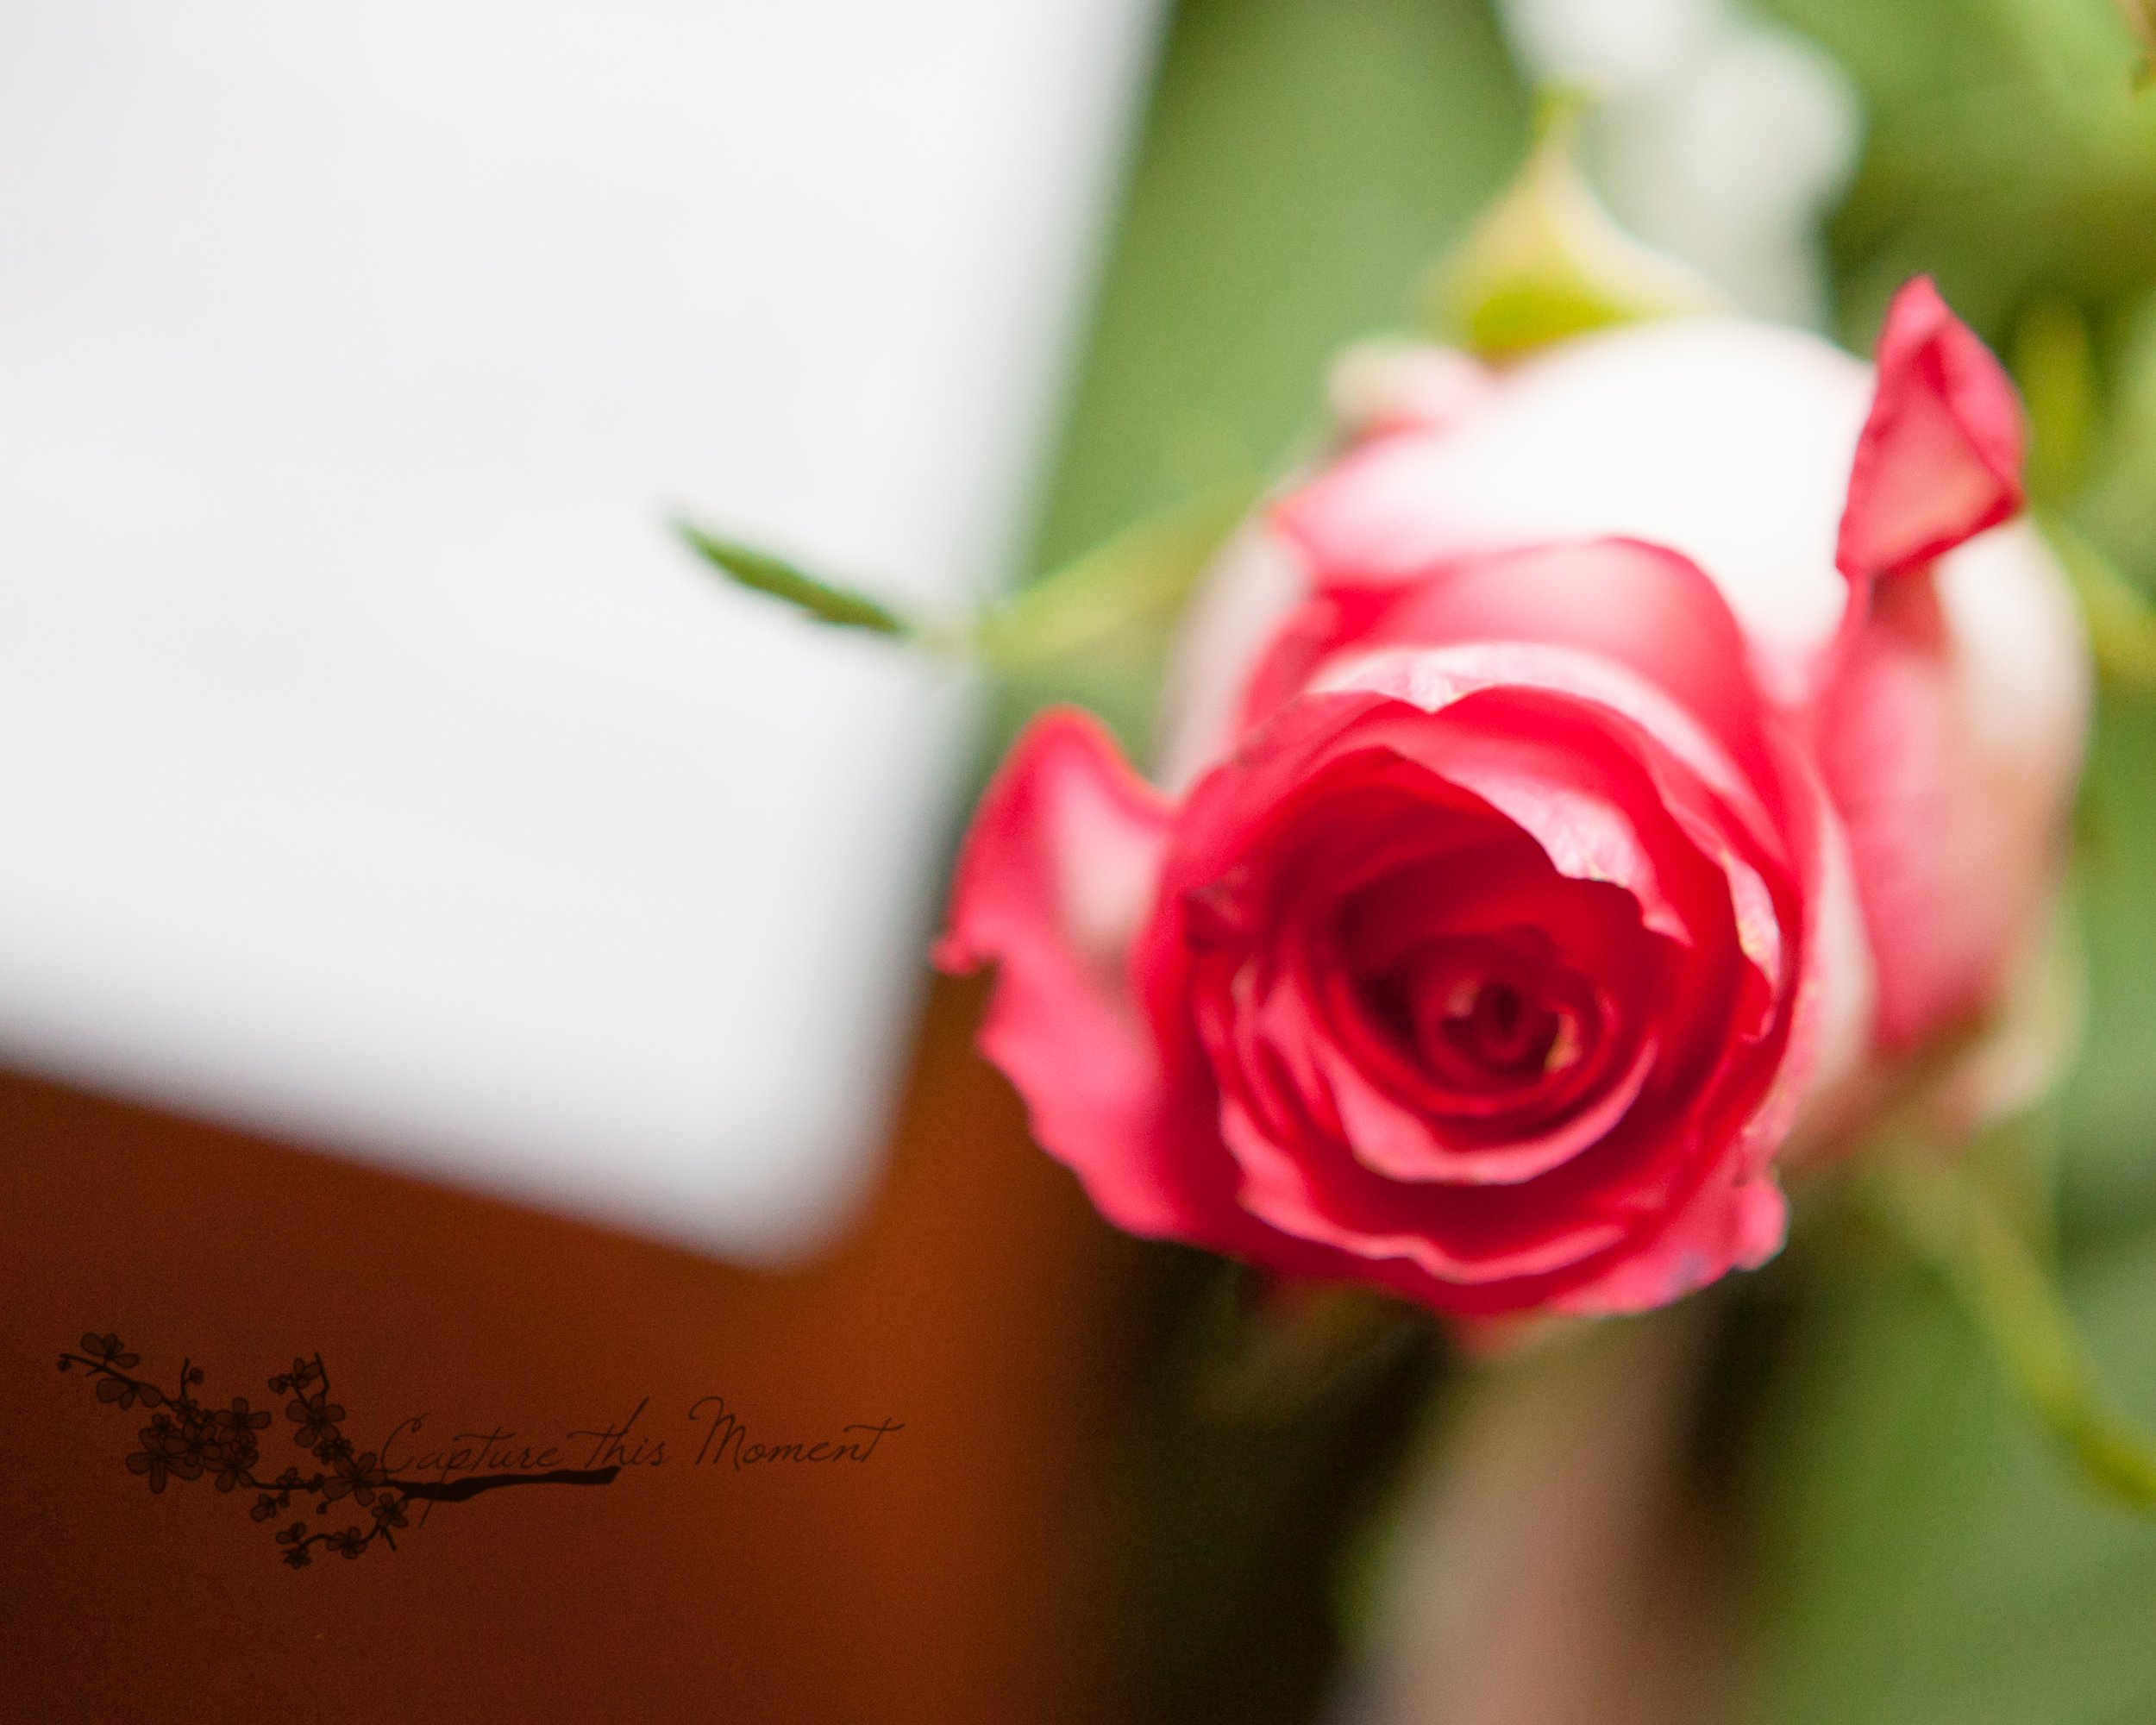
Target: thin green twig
1141,575
1942,1213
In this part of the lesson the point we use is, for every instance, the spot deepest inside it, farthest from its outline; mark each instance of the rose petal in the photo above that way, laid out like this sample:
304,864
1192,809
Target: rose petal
1432,678
1731,1224
1256,580
1378,387
1726,441
1056,872
1643,608
1547,762
1279,1187
1940,458
1951,744
1392,1141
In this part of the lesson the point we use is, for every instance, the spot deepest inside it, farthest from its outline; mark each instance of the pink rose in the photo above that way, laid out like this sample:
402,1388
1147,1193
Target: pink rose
1594,768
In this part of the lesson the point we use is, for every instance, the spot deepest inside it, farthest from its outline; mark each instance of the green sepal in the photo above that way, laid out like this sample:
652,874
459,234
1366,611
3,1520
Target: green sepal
1546,261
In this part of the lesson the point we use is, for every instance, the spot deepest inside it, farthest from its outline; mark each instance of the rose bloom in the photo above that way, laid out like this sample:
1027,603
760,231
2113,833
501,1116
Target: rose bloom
1588,786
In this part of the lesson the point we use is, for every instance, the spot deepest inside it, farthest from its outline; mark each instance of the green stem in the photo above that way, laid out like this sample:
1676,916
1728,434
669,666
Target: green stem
1943,1214
1141,575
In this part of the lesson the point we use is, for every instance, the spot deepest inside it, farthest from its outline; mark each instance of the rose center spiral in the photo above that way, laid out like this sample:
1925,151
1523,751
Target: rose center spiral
1490,1024
1500,1029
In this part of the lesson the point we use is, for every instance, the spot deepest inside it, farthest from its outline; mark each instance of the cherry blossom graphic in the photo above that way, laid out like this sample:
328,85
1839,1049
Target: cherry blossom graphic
187,1440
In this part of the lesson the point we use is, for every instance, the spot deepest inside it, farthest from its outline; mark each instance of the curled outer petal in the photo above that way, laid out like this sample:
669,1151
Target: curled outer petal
1951,735
1940,458
1057,870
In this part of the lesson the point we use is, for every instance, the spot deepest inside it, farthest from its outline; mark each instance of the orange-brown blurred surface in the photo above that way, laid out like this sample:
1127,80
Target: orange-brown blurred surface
957,1574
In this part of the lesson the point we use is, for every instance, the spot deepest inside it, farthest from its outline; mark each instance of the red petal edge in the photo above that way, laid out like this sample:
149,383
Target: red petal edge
1056,871
1733,1223
1940,458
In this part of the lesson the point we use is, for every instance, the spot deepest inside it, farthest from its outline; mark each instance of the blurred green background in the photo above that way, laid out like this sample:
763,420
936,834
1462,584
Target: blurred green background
1917,1552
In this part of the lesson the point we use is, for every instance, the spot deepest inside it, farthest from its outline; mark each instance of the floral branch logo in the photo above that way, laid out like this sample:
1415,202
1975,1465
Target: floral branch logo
187,1440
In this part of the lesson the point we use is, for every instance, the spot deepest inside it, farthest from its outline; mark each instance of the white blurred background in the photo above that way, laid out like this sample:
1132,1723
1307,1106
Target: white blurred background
375,769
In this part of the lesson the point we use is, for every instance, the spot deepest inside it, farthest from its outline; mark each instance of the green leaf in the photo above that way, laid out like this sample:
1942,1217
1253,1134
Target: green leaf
1546,261
826,602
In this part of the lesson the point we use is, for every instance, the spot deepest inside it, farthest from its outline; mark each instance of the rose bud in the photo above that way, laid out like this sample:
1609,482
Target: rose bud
1573,785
